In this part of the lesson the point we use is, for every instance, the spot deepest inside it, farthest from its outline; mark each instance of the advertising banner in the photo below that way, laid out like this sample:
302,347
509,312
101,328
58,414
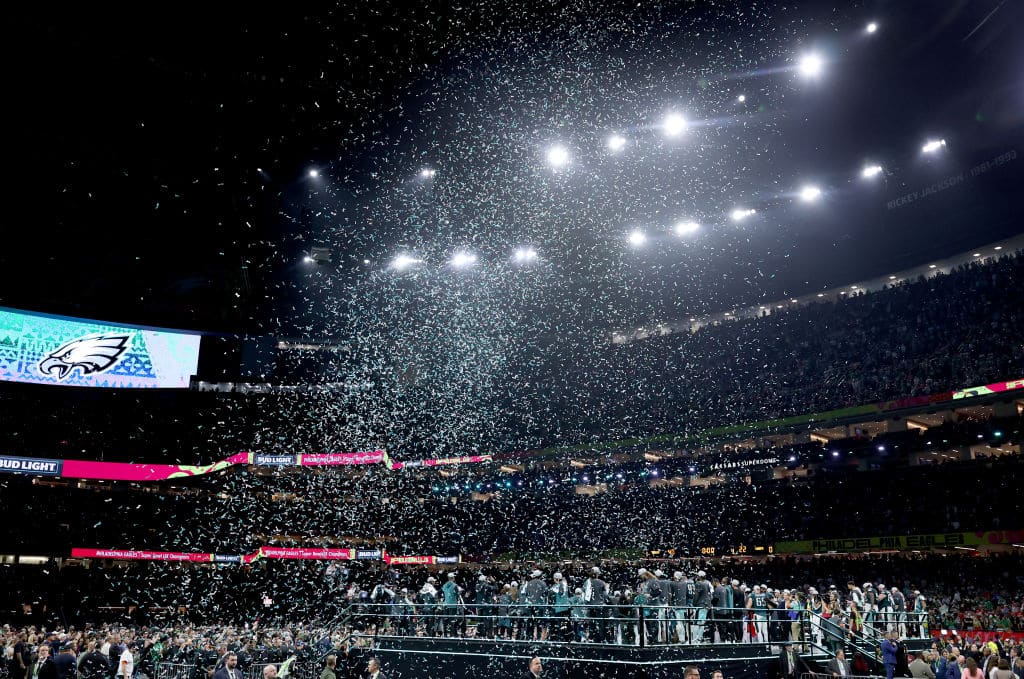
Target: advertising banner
324,554
334,459
312,554
369,554
30,465
994,388
140,555
62,351
438,462
408,560
273,460
901,542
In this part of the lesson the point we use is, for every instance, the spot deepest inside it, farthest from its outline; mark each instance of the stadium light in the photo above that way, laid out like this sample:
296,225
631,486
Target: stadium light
308,259
811,65
615,143
558,157
686,228
739,214
523,255
461,260
428,173
871,171
742,98
314,173
637,238
674,124
810,193
402,262
871,27
933,145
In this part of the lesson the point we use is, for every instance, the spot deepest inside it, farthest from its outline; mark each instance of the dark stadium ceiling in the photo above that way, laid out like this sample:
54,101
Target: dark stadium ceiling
162,165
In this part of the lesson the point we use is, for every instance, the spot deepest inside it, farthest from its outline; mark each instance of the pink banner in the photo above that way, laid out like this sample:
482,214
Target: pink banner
300,553
465,459
139,555
125,471
331,459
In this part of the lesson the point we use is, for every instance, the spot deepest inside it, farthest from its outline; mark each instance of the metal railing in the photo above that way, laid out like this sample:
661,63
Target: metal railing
167,670
624,624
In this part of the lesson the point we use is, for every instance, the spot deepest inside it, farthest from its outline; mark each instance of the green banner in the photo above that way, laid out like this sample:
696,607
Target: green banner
901,542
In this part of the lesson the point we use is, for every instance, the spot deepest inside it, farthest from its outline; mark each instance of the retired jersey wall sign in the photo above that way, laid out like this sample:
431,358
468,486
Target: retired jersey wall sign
76,352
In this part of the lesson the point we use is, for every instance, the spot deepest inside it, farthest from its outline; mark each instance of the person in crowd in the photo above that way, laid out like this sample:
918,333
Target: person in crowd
506,599
534,669
721,599
578,615
452,594
373,669
66,661
42,667
560,608
789,664
757,604
595,594
838,666
920,667
430,607
230,669
679,606
536,591
330,665
889,652
1002,670
484,599
971,670
701,604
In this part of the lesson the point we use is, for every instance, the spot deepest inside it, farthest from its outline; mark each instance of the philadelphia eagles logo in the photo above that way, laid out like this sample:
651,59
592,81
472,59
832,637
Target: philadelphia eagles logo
89,354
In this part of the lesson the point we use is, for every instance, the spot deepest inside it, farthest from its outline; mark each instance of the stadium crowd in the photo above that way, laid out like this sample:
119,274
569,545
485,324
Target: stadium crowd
924,336
614,602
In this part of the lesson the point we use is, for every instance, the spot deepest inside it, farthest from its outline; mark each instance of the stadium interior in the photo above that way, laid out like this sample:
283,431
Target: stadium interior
587,339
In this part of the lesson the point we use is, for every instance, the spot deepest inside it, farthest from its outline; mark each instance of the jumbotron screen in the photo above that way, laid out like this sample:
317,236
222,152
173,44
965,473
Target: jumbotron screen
75,352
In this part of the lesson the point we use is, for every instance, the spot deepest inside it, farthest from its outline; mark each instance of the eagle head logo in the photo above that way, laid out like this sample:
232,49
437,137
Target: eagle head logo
89,354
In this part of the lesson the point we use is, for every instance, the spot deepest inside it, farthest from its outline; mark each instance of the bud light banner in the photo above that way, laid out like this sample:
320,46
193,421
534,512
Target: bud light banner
74,352
273,460
30,465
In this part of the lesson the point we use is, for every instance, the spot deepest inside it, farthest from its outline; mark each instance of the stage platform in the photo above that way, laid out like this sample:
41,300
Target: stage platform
407,657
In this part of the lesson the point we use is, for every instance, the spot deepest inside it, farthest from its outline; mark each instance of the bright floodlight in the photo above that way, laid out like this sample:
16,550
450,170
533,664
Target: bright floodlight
615,142
811,65
810,194
872,27
871,171
739,214
523,255
308,259
742,98
558,156
314,173
637,238
402,262
686,228
933,145
463,259
428,173
674,124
